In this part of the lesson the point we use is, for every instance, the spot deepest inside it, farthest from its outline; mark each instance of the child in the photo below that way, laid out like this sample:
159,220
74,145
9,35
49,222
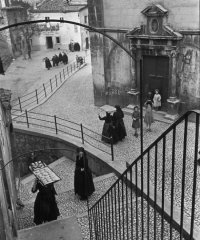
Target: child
136,120
157,100
148,118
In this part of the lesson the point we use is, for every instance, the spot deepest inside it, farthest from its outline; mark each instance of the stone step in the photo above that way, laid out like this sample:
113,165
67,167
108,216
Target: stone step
69,204
64,229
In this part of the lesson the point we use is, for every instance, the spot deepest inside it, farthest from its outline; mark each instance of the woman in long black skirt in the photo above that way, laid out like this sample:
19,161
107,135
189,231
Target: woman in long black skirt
45,206
83,182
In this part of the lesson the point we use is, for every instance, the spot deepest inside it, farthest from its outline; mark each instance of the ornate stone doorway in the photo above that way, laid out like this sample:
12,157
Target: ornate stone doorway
156,76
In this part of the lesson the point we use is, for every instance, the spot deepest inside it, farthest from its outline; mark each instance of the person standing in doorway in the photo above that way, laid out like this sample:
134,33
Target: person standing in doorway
157,100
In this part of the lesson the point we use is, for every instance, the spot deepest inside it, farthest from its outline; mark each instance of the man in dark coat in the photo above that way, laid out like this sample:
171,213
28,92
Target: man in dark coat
53,61
1,68
65,58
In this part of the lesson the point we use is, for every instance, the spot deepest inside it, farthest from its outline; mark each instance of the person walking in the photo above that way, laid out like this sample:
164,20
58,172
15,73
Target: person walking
47,63
1,67
136,120
106,132
148,118
29,50
157,100
83,182
45,206
119,123
65,58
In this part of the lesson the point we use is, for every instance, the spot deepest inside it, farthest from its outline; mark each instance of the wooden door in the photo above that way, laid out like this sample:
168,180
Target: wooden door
156,76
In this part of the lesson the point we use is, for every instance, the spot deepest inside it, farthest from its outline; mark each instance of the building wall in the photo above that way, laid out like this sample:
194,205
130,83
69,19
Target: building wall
183,14
84,32
113,78
66,31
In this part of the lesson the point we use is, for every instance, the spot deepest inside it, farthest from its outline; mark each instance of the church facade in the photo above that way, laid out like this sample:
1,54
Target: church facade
163,39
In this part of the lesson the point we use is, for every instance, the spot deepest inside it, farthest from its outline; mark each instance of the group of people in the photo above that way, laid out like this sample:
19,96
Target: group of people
150,103
56,59
45,206
113,126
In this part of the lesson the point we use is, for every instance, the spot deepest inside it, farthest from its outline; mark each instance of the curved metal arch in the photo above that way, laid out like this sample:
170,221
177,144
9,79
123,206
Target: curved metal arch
71,22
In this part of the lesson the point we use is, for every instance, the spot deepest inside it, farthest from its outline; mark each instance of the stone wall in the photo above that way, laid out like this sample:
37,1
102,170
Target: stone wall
111,69
27,141
183,14
188,77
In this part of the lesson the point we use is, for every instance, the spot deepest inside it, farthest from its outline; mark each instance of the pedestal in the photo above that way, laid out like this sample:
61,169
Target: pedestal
172,109
134,96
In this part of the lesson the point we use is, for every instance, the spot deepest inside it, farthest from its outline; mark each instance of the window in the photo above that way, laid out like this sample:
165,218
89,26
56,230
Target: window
85,19
75,28
57,39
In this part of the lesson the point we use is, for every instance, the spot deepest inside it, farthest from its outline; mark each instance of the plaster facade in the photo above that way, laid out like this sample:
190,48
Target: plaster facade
83,14
60,34
176,42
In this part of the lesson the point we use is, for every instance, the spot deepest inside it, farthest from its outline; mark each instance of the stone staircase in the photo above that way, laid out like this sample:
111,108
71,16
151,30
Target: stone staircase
73,221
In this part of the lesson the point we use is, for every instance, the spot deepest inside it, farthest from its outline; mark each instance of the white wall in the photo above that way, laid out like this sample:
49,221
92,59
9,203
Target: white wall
183,14
84,32
66,31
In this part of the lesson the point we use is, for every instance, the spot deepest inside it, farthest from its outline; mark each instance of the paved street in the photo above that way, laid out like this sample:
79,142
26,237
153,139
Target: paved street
24,76
75,102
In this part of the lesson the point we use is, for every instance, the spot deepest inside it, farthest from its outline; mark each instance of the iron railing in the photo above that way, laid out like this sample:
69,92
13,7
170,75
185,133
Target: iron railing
60,125
37,96
157,197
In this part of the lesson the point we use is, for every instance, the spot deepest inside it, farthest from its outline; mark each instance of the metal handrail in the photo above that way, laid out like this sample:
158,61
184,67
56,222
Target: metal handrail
134,173
56,124
47,83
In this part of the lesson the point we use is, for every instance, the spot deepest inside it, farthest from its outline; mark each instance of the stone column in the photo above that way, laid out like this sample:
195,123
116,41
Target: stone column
173,101
134,93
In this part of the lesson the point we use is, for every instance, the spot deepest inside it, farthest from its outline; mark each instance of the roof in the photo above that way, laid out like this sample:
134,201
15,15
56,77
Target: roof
58,6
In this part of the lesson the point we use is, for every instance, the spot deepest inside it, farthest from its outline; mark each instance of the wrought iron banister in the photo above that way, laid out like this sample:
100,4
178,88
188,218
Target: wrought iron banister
159,202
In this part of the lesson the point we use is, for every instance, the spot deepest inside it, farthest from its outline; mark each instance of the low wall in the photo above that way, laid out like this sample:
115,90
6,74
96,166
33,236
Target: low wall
27,140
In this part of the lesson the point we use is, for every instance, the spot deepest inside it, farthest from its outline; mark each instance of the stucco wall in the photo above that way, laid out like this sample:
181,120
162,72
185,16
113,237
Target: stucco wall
183,14
111,70
66,31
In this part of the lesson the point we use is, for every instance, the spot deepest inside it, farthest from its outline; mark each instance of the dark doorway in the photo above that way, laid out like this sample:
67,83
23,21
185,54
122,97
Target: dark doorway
156,76
49,42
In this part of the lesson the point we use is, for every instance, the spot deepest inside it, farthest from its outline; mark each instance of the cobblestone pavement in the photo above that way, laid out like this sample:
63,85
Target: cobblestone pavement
75,102
24,76
68,203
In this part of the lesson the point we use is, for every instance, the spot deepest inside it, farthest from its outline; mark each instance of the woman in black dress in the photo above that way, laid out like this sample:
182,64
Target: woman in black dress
119,123
83,182
45,206
106,132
